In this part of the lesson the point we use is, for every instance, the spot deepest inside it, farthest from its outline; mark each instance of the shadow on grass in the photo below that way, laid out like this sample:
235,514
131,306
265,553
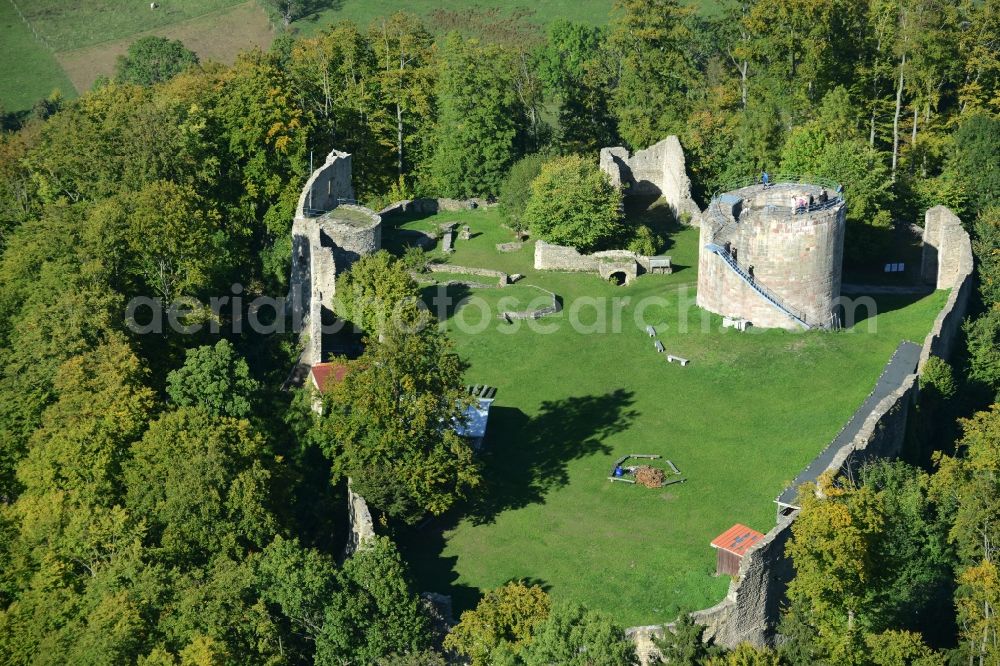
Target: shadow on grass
524,458
527,457
857,312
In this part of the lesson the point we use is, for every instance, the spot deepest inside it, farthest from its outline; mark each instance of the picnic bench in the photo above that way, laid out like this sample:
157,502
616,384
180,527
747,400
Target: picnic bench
675,359
659,346
651,331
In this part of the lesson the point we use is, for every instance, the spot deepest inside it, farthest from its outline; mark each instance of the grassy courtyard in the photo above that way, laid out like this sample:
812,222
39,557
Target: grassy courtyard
740,421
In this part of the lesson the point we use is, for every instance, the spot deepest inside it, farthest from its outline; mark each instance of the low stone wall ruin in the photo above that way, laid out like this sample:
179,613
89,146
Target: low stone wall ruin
430,206
550,257
501,277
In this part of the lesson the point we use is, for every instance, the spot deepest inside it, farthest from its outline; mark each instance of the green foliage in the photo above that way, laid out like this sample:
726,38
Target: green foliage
683,645
479,121
376,294
650,38
966,485
516,190
202,483
152,60
504,619
383,425
867,558
374,615
645,241
573,203
902,648
938,379
177,245
216,379
983,340
986,246
575,636
977,143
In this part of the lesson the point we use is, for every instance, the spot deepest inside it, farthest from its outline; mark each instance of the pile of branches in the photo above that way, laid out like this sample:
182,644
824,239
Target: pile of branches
651,477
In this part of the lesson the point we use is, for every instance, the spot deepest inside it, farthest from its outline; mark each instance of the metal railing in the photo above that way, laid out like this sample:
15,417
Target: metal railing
776,179
768,294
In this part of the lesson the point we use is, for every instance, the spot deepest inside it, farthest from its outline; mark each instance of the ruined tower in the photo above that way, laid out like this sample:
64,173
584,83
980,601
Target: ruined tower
769,256
330,232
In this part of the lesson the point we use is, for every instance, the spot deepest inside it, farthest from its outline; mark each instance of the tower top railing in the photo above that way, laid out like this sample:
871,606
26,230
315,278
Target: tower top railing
720,217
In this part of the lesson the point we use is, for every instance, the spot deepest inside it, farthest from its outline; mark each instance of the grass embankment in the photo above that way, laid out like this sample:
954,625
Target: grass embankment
740,421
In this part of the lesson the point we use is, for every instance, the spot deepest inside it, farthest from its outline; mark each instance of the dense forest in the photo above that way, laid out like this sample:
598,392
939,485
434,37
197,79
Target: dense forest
163,501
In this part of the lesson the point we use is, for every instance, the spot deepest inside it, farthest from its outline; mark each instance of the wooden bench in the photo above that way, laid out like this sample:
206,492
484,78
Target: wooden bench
659,346
673,467
676,359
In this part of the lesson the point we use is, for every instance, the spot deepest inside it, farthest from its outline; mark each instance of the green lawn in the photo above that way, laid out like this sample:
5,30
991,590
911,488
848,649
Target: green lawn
467,15
740,421
29,70
73,25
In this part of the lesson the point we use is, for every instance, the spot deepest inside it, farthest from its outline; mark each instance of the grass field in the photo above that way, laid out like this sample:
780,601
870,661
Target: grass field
84,39
29,70
740,421
454,14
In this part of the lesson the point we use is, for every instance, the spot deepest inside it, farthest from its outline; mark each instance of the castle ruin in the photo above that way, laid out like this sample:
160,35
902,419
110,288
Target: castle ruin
657,171
329,234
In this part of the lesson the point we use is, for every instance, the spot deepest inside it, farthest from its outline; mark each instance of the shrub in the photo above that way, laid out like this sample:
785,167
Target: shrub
644,242
573,203
516,190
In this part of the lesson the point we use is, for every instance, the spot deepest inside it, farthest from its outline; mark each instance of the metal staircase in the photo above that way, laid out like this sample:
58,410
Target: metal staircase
796,315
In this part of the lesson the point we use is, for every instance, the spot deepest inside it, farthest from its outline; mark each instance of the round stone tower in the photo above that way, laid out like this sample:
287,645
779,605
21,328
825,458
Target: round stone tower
772,255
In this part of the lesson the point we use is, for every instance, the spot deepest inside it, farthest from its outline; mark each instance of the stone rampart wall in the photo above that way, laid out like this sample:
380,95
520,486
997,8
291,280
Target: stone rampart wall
946,246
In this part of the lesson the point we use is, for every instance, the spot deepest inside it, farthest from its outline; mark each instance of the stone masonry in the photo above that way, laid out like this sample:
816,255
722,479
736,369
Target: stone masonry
329,233
657,171
751,609
796,256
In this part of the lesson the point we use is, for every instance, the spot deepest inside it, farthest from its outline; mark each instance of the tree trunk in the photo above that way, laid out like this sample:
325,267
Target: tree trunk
743,82
399,140
895,120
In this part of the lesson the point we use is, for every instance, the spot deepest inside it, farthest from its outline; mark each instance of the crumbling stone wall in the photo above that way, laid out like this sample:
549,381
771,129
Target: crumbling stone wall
361,527
947,263
658,171
430,206
550,257
751,609
327,185
323,245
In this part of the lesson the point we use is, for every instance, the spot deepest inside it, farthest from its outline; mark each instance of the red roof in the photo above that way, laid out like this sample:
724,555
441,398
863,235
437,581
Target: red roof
325,375
737,539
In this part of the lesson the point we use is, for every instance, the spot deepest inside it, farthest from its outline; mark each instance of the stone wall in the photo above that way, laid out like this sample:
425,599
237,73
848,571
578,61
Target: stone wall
327,185
500,276
430,206
948,248
361,527
751,609
550,257
327,237
658,171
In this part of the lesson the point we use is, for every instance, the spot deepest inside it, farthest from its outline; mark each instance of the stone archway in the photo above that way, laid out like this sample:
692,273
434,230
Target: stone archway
618,278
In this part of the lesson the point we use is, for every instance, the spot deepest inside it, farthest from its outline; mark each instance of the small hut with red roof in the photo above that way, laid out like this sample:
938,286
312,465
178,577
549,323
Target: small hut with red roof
731,546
